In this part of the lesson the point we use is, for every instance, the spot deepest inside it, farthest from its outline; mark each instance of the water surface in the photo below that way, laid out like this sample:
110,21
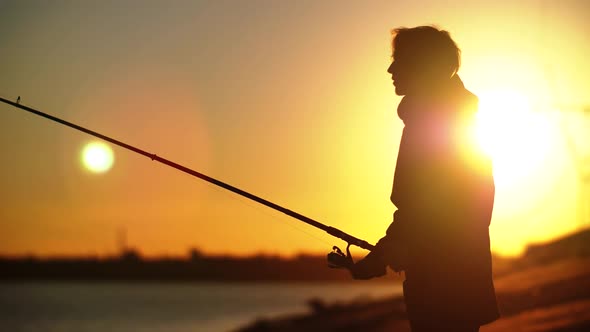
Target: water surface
153,307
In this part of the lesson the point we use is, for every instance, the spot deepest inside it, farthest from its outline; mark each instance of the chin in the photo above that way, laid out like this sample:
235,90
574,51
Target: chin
400,91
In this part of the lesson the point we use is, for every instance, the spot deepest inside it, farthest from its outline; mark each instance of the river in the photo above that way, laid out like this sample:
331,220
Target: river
155,307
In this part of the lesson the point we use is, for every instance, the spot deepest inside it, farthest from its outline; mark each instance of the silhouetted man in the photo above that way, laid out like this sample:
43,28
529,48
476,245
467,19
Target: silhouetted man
443,190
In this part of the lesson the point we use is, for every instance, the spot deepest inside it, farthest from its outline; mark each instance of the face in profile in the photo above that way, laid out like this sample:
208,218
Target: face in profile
411,76
401,74
398,84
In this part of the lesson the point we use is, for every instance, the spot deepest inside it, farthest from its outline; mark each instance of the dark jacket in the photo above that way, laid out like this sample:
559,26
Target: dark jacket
444,193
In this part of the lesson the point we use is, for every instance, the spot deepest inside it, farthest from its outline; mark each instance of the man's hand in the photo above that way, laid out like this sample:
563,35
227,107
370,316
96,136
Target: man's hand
371,266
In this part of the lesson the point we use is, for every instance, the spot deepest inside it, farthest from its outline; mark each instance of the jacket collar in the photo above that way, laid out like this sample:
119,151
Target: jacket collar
439,102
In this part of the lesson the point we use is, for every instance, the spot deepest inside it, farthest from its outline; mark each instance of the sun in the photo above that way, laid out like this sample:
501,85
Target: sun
97,157
526,147
513,134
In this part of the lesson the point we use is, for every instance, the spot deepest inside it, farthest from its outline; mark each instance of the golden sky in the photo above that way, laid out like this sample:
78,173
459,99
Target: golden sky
287,99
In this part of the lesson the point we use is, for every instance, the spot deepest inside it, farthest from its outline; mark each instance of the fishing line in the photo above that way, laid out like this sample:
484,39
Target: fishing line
273,217
259,209
351,240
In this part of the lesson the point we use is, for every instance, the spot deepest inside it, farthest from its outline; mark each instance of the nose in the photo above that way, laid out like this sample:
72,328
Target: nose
390,69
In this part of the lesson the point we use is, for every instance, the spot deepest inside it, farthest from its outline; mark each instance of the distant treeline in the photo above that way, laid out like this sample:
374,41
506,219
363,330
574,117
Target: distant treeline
131,267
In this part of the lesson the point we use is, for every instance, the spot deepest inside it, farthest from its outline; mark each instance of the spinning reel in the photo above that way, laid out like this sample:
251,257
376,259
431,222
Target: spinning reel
338,260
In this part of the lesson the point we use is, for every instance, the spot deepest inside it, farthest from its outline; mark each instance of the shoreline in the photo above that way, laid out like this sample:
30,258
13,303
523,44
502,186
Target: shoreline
536,294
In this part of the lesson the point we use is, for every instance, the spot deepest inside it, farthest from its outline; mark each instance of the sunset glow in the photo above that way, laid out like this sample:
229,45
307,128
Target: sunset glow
288,100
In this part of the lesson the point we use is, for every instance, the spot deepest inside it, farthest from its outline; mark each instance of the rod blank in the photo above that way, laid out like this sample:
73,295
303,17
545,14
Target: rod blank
329,229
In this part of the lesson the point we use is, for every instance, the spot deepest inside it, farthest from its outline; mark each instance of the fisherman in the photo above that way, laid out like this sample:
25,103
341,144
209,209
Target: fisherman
443,189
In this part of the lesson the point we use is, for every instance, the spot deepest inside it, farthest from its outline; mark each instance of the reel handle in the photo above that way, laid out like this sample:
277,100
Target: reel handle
338,260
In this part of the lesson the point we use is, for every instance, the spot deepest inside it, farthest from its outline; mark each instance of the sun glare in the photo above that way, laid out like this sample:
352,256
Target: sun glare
512,134
525,141
97,157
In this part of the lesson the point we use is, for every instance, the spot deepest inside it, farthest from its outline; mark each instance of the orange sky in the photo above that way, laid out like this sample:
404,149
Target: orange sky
288,100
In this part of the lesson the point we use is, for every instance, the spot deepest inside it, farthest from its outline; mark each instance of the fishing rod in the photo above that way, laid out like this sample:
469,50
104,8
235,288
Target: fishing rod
336,258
